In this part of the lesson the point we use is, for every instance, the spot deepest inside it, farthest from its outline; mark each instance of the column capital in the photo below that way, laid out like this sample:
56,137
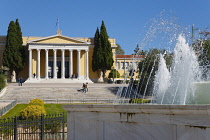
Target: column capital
38,50
78,50
86,50
70,50
46,50
30,49
55,50
62,50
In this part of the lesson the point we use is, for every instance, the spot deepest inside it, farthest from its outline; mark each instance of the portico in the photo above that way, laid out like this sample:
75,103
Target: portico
58,60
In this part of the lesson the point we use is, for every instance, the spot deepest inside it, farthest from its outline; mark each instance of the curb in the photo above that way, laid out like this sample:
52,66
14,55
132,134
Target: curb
3,91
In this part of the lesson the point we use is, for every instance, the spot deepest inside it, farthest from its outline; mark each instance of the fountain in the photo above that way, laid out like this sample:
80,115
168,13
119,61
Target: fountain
174,89
180,83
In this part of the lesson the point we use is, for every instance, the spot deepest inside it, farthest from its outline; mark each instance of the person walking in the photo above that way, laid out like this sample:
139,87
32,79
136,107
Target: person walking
86,86
21,81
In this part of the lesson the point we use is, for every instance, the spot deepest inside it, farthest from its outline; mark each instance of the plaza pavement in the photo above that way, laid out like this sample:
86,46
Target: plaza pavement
59,91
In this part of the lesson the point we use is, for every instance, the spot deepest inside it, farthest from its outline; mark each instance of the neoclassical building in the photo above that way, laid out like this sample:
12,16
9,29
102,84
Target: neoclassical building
58,58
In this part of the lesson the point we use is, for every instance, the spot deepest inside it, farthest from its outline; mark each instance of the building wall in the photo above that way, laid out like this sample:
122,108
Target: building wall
25,73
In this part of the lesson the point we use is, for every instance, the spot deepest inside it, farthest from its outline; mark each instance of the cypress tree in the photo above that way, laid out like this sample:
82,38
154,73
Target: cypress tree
14,54
96,58
21,57
9,59
107,54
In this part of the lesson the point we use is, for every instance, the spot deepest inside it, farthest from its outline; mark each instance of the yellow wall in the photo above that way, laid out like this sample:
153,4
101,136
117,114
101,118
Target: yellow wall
59,39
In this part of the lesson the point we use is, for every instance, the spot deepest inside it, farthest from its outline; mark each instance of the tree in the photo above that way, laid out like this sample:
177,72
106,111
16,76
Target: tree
9,55
114,74
147,69
119,50
21,53
97,58
14,54
106,49
137,49
102,55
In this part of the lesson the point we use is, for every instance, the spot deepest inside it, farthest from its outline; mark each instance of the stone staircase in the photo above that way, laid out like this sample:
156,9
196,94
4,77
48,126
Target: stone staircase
28,93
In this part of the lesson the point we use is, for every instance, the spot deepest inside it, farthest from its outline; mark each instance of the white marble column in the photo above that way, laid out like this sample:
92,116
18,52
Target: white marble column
38,64
87,65
70,63
78,63
54,64
46,63
30,64
63,64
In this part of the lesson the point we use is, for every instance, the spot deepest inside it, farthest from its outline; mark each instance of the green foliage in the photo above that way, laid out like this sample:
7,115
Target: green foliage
147,69
97,58
139,101
50,109
2,81
14,54
119,50
102,55
114,74
137,49
32,112
37,102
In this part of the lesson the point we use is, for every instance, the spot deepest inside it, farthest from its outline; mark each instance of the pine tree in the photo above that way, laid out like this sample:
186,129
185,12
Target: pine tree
106,50
137,49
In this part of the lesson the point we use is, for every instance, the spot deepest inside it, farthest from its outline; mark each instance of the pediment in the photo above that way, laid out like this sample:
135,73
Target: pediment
59,39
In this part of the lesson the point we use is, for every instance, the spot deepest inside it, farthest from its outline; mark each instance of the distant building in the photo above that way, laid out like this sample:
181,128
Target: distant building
124,63
56,57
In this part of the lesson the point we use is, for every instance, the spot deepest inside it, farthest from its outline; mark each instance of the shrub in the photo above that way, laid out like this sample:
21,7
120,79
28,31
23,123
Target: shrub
2,81
32,111
37,102
139,101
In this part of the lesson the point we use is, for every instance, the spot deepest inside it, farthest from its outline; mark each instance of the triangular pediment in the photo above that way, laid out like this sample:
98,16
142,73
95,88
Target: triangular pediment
59,39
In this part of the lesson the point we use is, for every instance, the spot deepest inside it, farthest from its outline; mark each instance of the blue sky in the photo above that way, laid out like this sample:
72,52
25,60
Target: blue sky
125,20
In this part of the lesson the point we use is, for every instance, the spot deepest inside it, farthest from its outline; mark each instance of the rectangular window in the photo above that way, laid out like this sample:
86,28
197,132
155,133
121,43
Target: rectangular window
122,65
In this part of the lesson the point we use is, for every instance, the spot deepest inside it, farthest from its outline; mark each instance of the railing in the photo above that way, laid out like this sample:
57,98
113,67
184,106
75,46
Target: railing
61,101
7,108
48,127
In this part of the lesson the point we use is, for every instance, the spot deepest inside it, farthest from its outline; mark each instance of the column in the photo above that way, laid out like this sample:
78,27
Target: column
70,63
30,64
38,64
63,64
87,65
54,64
78,63
46,63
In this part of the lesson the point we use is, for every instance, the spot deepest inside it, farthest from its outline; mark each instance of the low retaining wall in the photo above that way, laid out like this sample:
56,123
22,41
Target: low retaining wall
138,122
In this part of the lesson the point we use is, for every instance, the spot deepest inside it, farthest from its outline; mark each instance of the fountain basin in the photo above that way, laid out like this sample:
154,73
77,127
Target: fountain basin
202,93
136,122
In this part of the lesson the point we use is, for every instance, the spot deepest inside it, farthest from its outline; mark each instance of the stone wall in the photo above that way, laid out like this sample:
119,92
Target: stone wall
138,122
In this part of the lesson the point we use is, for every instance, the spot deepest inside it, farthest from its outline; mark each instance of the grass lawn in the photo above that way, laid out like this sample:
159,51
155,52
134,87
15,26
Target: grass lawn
50,109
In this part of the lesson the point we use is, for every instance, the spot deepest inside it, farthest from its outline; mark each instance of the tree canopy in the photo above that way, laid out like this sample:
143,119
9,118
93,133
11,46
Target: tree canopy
114,74
102,55
119,50
14,54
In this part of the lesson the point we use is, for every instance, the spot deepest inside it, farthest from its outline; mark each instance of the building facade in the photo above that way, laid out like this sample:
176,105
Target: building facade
58,58
124,63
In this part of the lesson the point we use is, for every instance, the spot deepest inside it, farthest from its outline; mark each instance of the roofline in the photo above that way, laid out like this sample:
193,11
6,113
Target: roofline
56,36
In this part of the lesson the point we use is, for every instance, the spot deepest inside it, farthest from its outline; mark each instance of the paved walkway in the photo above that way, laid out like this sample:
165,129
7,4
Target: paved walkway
59,91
